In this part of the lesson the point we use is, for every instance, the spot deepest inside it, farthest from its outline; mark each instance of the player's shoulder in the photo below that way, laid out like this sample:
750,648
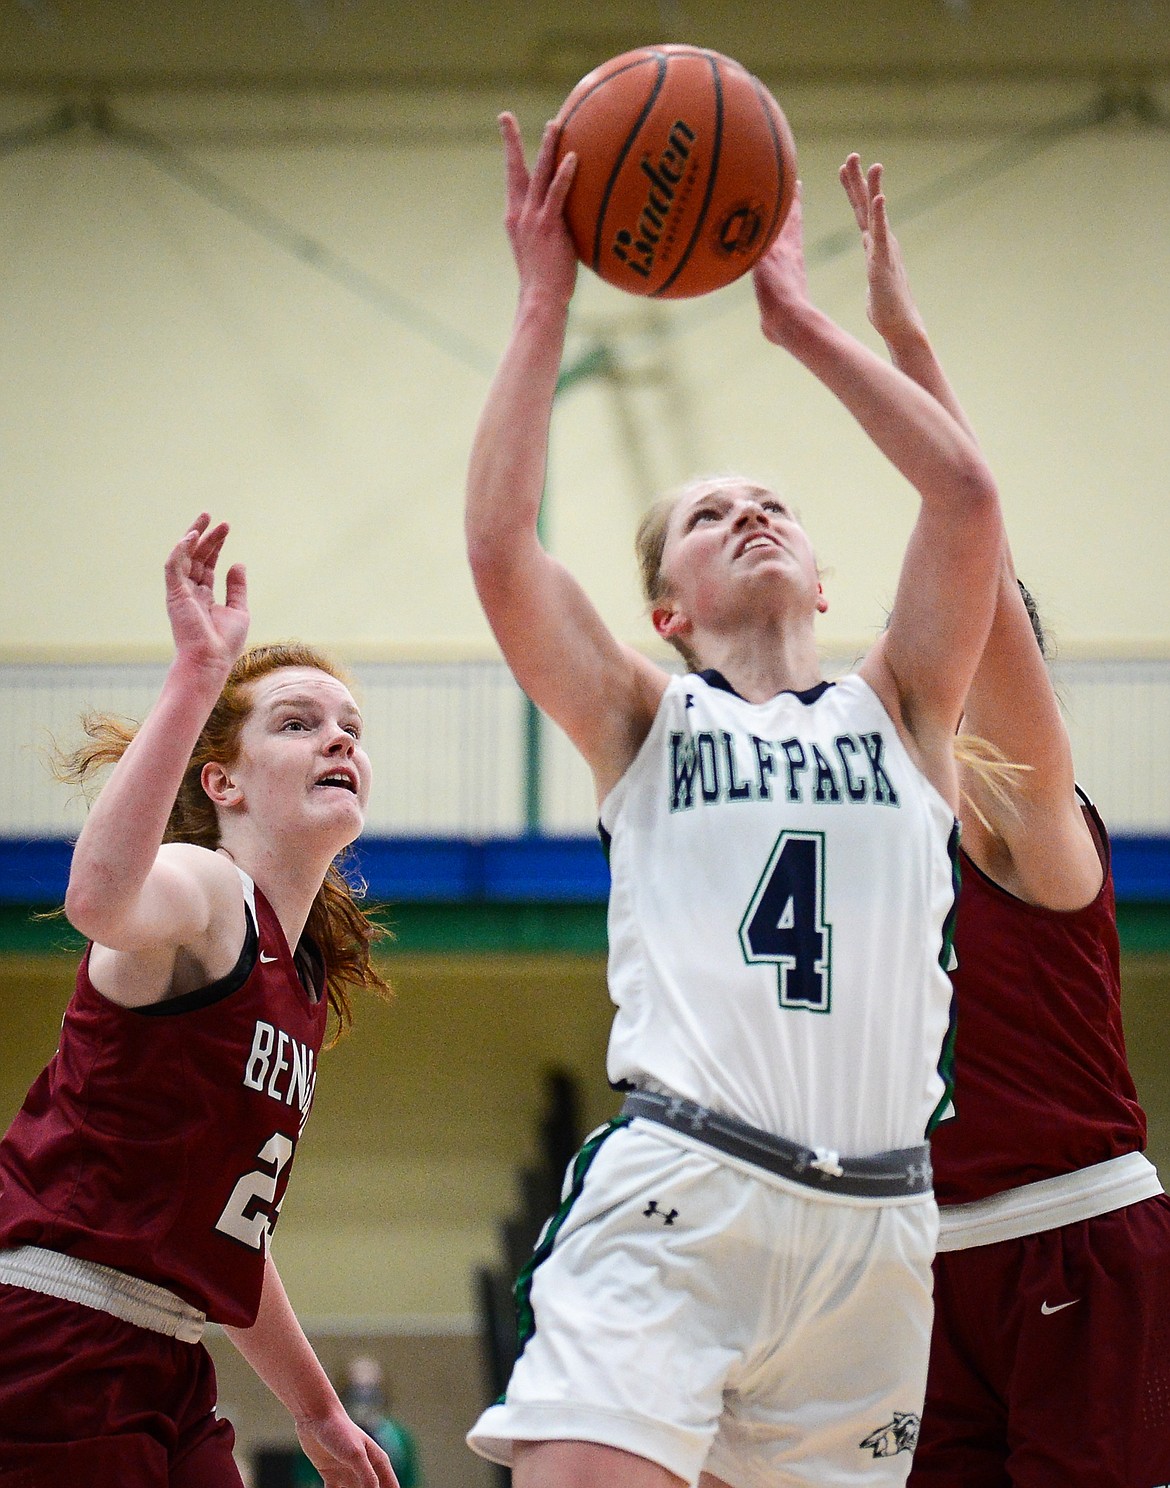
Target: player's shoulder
214,870
210,875
190,856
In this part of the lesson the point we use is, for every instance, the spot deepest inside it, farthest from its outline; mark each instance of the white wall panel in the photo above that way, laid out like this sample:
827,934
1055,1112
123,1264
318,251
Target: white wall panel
447,741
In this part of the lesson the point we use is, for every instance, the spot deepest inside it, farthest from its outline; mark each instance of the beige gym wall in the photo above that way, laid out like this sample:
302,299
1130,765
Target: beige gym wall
159,355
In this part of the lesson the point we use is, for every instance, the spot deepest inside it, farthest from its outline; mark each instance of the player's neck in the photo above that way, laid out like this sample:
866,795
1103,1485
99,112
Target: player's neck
764,662
289,880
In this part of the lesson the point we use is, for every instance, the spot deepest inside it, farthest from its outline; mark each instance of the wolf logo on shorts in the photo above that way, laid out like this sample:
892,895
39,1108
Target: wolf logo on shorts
898,1435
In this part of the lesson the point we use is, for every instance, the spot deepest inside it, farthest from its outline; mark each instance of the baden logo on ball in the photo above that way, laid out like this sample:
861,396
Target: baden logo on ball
666,183
686,169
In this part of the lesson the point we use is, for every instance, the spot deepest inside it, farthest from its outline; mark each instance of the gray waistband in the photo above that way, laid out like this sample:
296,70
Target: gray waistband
101,1287
883,1175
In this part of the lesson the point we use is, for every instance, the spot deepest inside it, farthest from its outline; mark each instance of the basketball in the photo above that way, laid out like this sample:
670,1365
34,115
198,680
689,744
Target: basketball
686,169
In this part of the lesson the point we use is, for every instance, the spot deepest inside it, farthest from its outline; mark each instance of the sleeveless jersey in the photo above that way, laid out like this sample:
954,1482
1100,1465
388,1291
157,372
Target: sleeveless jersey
158,1140
782,894
1042,1084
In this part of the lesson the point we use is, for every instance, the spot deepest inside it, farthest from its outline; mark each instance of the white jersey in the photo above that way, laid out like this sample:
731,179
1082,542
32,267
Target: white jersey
783,892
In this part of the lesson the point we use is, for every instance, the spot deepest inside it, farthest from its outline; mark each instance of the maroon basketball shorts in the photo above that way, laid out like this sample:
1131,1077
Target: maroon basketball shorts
1050,1359
86,1399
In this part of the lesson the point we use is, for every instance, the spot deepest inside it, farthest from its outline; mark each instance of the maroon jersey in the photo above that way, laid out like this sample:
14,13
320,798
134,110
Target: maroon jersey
158,1140
1042,1086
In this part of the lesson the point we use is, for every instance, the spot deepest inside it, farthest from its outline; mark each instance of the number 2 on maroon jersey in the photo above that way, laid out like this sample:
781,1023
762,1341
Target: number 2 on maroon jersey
250,1213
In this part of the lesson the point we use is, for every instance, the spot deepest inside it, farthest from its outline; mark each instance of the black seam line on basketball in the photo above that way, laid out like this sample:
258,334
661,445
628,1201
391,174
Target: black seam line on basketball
762,95
650,56
711,174
660,62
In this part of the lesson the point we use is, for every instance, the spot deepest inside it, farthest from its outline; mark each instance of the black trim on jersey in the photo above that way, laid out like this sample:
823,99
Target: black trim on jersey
310,968
216,991
606,840
809,695
1100,831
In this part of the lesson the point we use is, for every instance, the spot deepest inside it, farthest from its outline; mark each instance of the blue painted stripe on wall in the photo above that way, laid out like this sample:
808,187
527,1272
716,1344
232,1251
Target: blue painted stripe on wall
439,870
34,870
1141,869
502,870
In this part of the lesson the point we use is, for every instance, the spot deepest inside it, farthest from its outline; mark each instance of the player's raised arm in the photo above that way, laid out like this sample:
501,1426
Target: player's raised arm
1037,842
889,305
125,891
942,612
602,693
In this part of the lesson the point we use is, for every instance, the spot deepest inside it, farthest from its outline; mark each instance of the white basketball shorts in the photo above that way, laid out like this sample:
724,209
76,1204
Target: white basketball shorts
703,1313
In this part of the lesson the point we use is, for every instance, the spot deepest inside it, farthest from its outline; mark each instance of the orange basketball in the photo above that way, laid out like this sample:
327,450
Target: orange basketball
686,169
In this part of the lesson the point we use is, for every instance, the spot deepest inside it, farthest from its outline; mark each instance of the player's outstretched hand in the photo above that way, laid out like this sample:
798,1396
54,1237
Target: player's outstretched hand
344,1455
888,301
780,277
535,215
206,632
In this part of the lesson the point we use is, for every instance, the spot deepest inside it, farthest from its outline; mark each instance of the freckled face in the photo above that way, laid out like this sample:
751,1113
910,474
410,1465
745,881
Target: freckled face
301,760
728,535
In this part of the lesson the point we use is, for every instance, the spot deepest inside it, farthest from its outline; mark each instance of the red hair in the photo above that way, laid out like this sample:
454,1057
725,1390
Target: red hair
337,925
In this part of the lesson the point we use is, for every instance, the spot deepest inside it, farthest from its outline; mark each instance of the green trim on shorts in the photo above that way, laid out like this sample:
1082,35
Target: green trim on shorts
946,1061
525,1318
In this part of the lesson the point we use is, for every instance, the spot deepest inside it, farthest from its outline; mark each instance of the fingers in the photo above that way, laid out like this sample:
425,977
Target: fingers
236,590
546,161
373,1469
549,181
187,543
210,545
515,171
379,1463
561,183
178,564
879,218
880,225
384,1473
194,556
863,188
853,181
794,222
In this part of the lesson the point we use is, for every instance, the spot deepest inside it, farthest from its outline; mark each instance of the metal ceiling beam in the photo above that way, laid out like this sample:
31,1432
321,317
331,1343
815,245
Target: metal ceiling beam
310,81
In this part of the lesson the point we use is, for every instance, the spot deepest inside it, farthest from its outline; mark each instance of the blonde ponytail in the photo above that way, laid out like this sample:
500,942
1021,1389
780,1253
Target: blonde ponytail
996,776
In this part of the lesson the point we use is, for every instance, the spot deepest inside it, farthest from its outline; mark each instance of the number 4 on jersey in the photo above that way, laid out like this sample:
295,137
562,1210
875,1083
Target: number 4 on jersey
785,921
